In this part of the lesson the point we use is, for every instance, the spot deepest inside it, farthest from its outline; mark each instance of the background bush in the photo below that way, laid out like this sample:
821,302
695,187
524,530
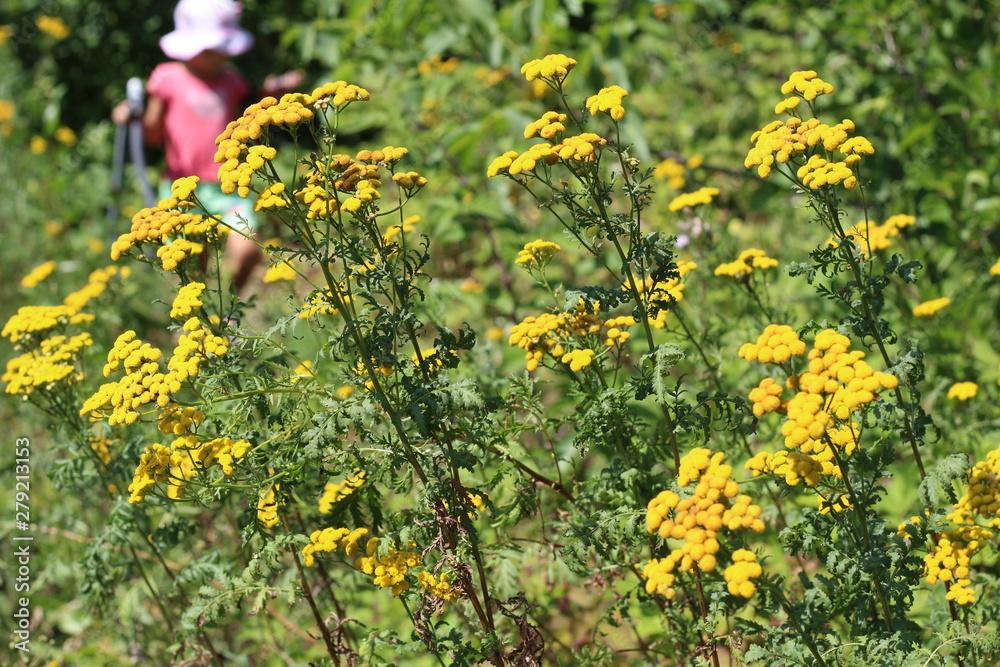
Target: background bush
918,77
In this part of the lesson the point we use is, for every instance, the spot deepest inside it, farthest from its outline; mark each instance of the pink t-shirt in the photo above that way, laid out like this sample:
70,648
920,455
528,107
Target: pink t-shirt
195,113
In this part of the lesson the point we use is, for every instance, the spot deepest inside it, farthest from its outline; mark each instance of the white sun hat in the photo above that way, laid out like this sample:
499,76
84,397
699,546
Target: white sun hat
206,24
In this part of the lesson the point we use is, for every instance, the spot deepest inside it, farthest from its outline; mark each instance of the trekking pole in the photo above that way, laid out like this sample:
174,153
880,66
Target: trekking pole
117,170
135,94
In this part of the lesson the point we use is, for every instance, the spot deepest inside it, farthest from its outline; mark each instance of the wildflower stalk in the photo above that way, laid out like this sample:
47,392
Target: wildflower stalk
861,511
834,216
704,614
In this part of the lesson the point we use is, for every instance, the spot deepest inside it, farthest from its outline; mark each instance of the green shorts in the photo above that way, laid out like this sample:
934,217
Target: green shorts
231,209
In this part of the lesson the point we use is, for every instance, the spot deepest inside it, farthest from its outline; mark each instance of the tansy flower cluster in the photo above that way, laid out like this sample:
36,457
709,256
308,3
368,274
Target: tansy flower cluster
745,264
175,420
281,271
387,571
928,308
334,492
331,539
321,302
537,253
963,391
358,179
97,282
144,382
38,274
178,462
24,327
608,100
550,124
807,84
239,154
580,148
556,333
837,384
552,68
692,199
870,237
187,300
796,140
267,508
698,520
949,561
439,587
776,344
54,360
663,293
169,219
740,575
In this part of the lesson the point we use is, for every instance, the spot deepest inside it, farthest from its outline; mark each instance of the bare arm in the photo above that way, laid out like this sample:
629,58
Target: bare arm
152,121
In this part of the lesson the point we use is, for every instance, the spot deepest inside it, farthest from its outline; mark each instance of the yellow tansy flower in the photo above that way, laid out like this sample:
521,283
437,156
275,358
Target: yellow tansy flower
928,308
38,274
963,391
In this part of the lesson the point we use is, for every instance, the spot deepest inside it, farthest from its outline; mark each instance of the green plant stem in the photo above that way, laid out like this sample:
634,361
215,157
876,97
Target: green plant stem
859,509
834,217
792,619
432,642
152,591
331,649
704,614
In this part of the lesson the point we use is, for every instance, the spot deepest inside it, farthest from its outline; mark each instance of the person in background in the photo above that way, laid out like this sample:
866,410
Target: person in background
191,100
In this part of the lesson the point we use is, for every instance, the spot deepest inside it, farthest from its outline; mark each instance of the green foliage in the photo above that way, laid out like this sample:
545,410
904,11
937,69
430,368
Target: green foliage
530,492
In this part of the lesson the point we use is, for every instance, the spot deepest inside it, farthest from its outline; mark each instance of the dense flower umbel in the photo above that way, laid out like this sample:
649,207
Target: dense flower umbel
963,391
950,559
692,199
869,237
928,308
38,274
336,491
175,420
836,385
387,571
55,360
608,100
144,382
740,574
776,344
97,282
30,322
240,155
809,143
550,124
554,68
187,300
437,586
185,456
745,264
714,505
568,337
537,254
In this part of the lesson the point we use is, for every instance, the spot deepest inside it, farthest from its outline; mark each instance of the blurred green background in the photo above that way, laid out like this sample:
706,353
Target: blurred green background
918,78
